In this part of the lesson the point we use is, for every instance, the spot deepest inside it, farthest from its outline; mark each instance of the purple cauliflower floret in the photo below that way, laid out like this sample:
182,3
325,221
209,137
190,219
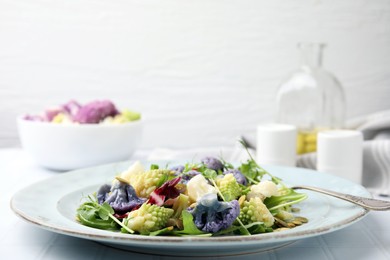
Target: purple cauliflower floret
121,197
71,108
211,215
240,178
91,113
177,169
212,163
103,193
185,176
94,112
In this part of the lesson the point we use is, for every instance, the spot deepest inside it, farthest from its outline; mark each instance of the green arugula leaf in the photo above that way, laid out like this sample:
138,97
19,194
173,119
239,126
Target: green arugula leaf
92,214
226,165
253,228
209,174
189,227
288,197
163,231
154,167
105,210
258,227
254,172
89,217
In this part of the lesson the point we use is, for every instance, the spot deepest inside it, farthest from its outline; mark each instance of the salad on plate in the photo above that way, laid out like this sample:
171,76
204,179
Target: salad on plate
206,198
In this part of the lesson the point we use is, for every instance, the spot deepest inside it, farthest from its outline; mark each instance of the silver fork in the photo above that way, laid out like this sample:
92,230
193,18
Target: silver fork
367,203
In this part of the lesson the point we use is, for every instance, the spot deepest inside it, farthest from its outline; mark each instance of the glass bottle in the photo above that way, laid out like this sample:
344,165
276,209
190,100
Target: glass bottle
311,99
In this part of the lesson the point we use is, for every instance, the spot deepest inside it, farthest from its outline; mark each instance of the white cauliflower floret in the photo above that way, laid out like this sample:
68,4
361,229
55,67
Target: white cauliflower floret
134,169
62,118
198,186
264,189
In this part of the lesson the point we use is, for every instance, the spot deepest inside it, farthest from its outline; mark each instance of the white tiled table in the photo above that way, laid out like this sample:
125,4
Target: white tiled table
367,239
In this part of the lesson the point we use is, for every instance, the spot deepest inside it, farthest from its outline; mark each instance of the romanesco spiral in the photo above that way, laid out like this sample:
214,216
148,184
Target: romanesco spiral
146,182
254,210
148,218
229,187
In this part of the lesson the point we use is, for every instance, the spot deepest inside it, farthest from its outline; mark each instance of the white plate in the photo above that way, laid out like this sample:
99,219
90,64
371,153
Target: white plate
51,204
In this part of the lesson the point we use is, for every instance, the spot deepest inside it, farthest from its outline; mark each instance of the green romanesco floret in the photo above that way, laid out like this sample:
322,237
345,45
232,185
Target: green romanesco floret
146,182
254,210
229,187
148,218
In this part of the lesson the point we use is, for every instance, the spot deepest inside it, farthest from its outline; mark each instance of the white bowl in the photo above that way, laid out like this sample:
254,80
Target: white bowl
67,147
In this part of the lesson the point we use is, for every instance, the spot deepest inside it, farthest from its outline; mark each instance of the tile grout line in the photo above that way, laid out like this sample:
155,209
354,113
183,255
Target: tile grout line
43,252
325,248
376,241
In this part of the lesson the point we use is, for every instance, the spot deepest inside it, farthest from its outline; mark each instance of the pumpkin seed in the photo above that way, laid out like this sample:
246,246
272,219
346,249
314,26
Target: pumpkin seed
281,229
302,219
281,223
290,225
297,222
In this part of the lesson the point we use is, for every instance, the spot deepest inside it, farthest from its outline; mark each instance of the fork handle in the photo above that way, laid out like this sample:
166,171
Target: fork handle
367,203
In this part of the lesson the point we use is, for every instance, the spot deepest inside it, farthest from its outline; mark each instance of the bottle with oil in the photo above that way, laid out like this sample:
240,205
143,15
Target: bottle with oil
311,98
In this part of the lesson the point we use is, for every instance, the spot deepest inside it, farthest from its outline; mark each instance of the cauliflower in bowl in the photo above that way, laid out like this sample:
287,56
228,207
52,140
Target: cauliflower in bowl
76,135
95,112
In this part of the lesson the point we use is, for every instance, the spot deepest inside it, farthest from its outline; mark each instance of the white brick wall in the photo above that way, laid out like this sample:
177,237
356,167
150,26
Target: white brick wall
201,72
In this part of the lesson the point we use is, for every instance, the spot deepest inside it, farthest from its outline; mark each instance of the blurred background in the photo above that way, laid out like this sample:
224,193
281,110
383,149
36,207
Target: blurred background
200,72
